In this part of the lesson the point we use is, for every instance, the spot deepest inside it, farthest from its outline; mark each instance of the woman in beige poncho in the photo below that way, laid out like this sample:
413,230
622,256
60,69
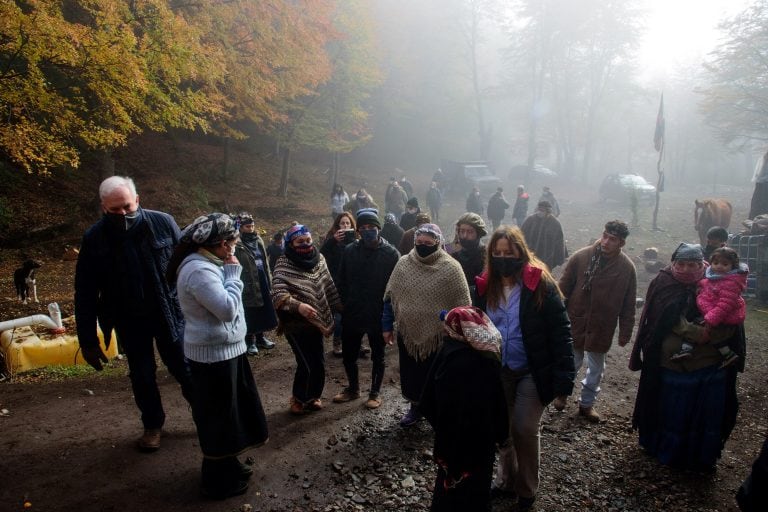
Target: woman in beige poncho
424,282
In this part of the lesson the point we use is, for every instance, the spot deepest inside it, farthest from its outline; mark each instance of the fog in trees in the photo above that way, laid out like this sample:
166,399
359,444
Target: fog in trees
561,85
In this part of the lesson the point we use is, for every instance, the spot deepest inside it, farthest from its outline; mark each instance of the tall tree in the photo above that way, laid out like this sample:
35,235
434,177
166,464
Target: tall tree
86,74
335,116
735,100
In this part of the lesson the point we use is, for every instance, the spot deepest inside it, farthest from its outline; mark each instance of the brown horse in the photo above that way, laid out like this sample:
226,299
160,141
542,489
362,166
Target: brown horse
714,212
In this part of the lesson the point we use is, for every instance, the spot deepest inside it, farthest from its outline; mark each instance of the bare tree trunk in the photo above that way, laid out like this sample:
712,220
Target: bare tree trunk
334,174
227,167
282,191
484,134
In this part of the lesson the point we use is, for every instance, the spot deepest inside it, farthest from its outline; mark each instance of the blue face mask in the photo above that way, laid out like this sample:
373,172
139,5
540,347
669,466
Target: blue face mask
369,236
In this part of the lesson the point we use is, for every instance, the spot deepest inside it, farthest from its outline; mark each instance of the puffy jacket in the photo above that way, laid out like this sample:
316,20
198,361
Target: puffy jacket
362,279
97,284
719,298
546,335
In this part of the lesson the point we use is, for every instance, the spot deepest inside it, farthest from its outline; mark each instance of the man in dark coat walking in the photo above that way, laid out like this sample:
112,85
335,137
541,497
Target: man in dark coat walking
497,207
120,282
544,235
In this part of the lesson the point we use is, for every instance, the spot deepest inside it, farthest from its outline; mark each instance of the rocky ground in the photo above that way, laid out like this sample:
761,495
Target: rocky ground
68,443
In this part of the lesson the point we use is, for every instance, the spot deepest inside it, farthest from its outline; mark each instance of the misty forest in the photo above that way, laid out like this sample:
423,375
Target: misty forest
391,83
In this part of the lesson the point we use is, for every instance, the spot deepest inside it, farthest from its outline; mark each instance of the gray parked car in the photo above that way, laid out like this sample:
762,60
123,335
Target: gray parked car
621,187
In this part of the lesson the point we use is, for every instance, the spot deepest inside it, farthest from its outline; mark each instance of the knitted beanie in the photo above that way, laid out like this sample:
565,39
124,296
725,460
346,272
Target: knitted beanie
413,202
368,216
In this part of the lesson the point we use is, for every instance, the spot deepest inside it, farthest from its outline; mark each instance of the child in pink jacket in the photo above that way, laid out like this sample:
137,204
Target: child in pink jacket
719,300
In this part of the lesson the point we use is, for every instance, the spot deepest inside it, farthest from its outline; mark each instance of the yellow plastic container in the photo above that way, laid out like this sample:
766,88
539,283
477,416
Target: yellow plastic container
26,349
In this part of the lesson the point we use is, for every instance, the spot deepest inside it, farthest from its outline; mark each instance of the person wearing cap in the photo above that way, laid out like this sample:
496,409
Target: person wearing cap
544,235
359,201
391,232
463,400
474,203
520,210
119,283
257,285
226,405
395,199
305,299
424,282
521,298
684,410
599,284
548,196
406,244
408,220
497,207
365,268
470,228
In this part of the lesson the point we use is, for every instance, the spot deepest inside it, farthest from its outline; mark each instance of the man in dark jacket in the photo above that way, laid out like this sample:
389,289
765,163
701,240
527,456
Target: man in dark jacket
497,206
544,235
363,275
470,228
408,220
120,281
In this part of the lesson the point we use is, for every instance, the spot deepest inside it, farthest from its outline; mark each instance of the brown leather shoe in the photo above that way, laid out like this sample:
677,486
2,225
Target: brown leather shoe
297,408
373,402
560,402
589,414
150,441
346,395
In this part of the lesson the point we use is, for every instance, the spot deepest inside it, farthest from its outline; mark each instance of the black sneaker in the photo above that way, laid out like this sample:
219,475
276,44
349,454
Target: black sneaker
253,350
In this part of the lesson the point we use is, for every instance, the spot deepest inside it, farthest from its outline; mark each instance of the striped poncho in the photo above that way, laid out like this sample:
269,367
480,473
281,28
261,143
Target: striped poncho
292,285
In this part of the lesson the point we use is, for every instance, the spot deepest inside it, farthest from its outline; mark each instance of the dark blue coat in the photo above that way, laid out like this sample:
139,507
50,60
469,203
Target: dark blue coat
97,287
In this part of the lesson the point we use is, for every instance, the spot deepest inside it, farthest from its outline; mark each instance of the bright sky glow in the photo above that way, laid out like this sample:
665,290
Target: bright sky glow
681,32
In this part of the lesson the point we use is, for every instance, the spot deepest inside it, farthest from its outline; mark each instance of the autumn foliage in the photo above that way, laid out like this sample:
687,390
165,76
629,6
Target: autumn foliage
84,75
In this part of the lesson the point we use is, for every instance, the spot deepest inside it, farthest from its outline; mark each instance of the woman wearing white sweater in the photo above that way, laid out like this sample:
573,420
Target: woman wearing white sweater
226,406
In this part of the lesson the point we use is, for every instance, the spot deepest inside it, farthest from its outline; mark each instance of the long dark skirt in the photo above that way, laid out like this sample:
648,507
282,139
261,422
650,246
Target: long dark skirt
693,421
473,493
413,373
227,408
263,318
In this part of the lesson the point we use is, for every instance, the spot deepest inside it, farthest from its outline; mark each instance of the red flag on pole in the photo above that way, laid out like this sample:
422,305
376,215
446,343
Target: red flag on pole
658,136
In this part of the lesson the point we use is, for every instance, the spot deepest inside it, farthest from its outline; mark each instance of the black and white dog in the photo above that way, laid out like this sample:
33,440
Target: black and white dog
24,279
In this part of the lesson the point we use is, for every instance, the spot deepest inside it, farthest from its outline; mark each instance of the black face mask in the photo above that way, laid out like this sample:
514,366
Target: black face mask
469,244
507,267
426,250
123,222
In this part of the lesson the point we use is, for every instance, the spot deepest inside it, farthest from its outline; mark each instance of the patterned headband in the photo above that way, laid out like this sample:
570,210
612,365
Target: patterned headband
295,231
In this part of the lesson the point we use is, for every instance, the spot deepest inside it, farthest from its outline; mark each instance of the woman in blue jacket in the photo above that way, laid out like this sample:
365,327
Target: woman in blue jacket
523,301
